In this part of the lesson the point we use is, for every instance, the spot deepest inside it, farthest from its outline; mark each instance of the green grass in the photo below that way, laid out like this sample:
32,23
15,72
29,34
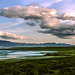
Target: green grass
50,66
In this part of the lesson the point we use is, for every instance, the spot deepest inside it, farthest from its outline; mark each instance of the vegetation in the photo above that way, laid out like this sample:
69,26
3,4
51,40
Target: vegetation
48,66
52,66
43,48
59,54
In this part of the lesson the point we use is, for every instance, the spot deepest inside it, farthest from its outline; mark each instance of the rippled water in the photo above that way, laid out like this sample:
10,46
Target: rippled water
9,54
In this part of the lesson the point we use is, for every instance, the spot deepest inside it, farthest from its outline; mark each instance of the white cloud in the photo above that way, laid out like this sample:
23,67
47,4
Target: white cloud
67,16
44,17
6,35
27,12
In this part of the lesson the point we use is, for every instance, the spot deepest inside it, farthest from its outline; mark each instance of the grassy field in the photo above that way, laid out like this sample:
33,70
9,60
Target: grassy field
52,66
48,66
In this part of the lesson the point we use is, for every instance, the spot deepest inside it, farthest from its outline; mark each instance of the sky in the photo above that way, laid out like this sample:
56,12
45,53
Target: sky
37,21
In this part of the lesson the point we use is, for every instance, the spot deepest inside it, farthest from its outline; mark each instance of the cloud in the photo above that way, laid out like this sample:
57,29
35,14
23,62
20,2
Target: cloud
28,12
44,17
67,16
6,35
45,3
65,33
61,29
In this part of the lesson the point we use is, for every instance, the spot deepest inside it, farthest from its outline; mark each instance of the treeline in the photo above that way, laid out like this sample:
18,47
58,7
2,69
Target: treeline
52,66
42,48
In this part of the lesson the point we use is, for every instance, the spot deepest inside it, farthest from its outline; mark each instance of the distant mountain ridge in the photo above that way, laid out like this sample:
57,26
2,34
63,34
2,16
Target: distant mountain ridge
15,44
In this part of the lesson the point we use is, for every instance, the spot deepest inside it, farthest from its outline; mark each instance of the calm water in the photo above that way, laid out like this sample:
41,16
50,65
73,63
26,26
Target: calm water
10,54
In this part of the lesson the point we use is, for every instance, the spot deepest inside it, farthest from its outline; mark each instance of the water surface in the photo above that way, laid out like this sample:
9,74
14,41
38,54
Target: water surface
18,54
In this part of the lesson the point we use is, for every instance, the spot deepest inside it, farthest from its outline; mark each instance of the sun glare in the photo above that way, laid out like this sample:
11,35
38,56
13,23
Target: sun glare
53,12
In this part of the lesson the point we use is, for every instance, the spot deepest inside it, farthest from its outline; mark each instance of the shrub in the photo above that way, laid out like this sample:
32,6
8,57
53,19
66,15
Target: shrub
43,69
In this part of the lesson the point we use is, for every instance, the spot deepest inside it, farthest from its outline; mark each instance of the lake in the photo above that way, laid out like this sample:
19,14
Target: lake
18,54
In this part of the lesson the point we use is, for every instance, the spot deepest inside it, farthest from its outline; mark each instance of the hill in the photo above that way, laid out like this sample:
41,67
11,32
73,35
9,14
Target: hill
4,43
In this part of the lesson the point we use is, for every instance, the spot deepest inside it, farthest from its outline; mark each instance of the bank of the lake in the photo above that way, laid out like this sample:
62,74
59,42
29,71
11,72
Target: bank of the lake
36,52
19,54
